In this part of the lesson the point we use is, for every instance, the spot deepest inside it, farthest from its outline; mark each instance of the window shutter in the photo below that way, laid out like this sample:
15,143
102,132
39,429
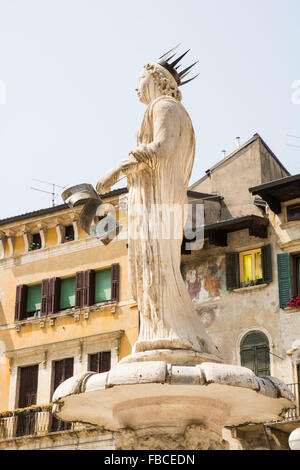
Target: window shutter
53,295
115,281
28,386
44,298
79,292
105,361
284,278
100,362
267,263
21,299
232,271
89,288
93,363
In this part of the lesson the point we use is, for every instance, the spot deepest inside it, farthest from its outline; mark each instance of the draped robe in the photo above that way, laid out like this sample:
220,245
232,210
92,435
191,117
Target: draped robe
165,152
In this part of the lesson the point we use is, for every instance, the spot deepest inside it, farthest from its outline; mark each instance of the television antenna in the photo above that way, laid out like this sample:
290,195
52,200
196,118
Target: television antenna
295,137
53,192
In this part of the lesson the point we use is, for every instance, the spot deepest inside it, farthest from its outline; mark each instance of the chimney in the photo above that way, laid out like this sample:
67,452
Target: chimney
224,153
238,142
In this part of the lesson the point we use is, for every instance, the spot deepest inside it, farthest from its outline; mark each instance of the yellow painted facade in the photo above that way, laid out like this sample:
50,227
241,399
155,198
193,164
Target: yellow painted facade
59,260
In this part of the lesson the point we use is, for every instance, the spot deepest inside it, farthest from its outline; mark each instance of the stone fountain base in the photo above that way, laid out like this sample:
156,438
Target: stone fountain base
157,405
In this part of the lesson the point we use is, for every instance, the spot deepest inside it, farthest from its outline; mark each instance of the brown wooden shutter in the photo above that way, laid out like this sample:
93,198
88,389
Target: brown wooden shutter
105,361
63,370
115,282
50,296
28,386
44,297
232,271
100,362
89,288
21,299
79,289
267,263
54,295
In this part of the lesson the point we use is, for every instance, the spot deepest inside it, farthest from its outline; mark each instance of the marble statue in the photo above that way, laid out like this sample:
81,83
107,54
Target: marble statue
158,172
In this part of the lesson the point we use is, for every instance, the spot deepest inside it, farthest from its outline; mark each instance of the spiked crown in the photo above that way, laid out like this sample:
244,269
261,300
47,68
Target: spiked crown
173,67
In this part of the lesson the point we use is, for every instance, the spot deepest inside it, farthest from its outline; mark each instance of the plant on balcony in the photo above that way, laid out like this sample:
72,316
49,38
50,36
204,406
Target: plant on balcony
294,302
28,410
6,414
47,407
34,246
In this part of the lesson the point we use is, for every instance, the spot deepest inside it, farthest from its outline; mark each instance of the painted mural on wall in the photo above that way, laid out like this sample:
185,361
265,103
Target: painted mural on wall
207,316
206,279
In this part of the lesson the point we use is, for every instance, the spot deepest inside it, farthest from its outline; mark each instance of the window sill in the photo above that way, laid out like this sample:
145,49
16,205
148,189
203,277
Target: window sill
290,224
290,309
70,312
250,288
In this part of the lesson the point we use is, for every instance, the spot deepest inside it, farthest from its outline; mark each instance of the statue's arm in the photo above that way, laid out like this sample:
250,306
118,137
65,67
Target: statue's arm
166,132
124,168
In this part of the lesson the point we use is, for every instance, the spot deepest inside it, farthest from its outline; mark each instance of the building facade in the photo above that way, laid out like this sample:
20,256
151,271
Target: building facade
66,306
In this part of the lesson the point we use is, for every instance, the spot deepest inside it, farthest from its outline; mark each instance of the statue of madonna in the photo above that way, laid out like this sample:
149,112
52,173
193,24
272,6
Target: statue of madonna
158,172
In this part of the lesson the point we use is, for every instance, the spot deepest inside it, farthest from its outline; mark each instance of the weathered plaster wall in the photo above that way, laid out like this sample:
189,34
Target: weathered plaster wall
228,316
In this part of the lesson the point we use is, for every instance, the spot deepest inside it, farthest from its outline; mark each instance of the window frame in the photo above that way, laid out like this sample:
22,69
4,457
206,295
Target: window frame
36,313
295,273
288,208
254,281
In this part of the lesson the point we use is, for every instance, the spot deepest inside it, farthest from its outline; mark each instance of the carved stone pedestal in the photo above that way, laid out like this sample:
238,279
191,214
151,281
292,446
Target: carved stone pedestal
157,405
192,437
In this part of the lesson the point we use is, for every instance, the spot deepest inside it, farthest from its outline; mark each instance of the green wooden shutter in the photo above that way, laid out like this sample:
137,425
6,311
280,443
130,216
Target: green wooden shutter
255,353
33,299
267,263
67,293
284,278
232,271
103,282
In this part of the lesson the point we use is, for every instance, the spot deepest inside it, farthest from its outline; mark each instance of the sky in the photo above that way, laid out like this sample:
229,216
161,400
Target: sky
68,70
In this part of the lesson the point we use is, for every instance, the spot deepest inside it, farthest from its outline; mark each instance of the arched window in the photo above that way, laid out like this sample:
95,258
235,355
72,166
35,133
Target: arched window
255,353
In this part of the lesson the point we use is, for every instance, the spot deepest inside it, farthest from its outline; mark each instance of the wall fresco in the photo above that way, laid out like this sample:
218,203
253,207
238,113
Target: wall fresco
207,279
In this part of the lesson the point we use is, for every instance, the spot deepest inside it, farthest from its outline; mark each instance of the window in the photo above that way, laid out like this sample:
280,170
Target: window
255,353
67,293
100,362
102,285
288,277
36,242
27,397
62,370
293,213
55,294
68,233
296,274
33,304
249,268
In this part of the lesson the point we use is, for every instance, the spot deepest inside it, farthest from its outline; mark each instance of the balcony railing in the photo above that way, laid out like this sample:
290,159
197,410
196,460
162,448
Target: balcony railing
295,413
33,423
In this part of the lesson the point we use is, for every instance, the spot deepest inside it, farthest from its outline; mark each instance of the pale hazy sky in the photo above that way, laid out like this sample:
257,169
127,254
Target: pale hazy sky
69,68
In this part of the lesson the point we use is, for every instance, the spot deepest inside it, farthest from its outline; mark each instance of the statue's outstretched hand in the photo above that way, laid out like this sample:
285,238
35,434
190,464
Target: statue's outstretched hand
102,186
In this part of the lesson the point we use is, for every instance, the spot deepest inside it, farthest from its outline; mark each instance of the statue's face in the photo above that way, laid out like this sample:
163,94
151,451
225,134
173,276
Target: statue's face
144,85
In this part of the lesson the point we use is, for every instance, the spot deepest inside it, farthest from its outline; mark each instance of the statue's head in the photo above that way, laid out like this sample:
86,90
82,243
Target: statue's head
155,81
162,78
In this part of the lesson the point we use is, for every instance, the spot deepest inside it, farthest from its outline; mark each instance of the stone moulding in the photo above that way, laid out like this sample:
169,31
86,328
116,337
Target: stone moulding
135,395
